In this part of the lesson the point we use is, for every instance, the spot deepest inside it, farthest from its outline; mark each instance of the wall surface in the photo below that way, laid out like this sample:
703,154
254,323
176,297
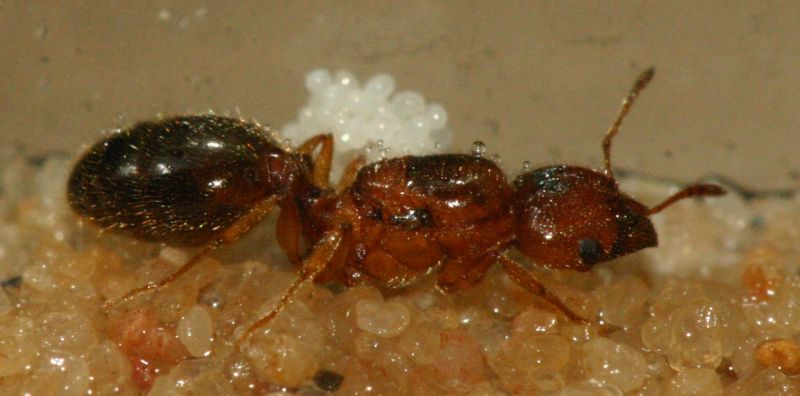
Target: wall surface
534,80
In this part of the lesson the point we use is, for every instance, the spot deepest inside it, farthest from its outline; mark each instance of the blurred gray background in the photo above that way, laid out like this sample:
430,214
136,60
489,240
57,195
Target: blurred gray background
535,80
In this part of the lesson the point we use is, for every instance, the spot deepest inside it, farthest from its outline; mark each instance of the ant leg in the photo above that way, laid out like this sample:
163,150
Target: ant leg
231,234
166,281
462,273
627,103
528,282
350,173
323,253
288,231
695,190
322,165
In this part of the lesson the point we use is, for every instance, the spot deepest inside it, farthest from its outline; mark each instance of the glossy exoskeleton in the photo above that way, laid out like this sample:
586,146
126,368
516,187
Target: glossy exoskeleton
197,180
205,180
183,181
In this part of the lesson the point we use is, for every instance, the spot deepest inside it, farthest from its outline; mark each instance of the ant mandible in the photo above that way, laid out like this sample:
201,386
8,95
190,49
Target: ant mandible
206,180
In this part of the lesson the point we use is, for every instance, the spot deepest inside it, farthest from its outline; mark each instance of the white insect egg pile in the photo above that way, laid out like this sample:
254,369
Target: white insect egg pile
371,116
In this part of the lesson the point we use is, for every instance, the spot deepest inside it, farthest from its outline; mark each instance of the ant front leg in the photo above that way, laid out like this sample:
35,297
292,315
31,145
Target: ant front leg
463,272
325,252
322,164
231,234
350,173
528,281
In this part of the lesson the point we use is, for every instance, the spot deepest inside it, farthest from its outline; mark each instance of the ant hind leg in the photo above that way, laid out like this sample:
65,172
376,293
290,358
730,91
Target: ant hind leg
166,281
231,234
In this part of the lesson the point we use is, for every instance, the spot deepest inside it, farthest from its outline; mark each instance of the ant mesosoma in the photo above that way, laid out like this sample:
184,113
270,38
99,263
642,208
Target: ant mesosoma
205,180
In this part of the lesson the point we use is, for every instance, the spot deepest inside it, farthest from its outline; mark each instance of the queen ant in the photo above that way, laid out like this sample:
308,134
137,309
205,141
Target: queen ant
205,180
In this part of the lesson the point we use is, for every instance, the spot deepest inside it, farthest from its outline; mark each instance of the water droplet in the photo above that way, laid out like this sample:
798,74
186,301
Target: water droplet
526,166
478,148
437,146
379,143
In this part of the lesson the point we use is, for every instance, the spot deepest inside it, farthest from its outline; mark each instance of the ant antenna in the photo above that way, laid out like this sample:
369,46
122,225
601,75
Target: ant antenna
695,190
638,86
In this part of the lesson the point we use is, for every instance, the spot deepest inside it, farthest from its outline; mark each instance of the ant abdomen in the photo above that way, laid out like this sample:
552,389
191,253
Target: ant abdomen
569,217
183,181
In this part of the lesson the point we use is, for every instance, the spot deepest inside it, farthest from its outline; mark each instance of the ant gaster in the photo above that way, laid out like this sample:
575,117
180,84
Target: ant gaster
205,180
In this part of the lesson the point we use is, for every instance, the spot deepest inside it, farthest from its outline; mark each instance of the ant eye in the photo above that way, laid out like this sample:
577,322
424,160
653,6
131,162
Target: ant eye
590,251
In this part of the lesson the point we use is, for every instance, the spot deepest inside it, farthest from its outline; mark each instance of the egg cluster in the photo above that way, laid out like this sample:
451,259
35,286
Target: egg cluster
371,116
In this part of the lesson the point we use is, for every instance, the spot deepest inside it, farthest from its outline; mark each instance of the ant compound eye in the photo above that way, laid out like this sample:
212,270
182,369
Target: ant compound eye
590,251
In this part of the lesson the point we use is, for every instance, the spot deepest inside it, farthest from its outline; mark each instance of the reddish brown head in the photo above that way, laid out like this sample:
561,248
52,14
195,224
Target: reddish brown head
571,217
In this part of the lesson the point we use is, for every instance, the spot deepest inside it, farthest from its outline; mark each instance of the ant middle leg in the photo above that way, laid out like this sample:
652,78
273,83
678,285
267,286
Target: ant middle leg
288,231
231,234
326,251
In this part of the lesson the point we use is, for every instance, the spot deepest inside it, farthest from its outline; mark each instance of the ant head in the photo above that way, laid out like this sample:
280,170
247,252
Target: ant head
570,217
573,217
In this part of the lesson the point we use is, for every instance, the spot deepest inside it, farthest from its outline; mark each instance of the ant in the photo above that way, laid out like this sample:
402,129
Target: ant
205,180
